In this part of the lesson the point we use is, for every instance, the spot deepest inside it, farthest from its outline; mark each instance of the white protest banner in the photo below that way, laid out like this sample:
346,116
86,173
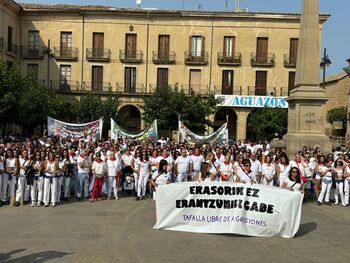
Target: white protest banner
74,130
252,101
187,136
222,207
150,133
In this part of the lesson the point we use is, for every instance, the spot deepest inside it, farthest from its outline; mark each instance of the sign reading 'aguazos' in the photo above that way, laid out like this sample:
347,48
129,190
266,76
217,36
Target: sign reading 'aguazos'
252,101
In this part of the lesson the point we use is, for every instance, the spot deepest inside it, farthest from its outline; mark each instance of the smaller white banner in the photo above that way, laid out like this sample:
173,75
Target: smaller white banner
222,207
252,101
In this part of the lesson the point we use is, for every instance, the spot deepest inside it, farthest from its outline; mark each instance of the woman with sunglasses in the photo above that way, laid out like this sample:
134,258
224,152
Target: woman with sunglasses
325,172
50,180
268,171
245,175
36,183
144,173
9,177
283,169
339,171
24,164
293,181
114,166
319,166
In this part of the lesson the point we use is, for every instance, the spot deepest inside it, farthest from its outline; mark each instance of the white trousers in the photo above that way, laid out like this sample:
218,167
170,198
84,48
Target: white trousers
40,186
66,187
136,179
326,188
339,191
182,177
346,191
21,188
112,185
59,188
50,187
34,190
1,185
142,185
8,187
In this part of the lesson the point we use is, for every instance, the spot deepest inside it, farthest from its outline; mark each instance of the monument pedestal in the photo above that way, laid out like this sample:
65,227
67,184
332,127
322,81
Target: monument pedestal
306,125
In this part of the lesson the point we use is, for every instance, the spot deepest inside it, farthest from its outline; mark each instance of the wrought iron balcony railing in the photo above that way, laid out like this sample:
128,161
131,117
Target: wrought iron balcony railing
65,53
160,57
229,59
98,54
196,58
130,56
259,60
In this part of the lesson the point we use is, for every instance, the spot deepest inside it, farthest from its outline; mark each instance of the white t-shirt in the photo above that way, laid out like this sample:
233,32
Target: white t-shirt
50,168
183,164
197,162
290,183
86,164
300,166
328,176
113,167
284,172
218,160
169,159
161,179
245,178
268,171
144,168
24,163
11,162
99,167
226,169
128,159
256,167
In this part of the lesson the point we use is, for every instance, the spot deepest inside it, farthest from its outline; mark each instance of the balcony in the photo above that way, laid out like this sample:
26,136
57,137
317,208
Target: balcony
2,44
12,50
262,61
32,52
130,56
233,59
290,62
103,87
197,89
165,58
196,58
98,54
70,54
65,85
227,90
137,89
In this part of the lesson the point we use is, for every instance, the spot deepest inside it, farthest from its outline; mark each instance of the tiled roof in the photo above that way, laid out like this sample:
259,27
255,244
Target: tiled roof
336,77
63,7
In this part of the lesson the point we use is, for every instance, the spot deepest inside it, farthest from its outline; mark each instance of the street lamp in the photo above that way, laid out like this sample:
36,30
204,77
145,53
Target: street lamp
347,71
325,62
48,52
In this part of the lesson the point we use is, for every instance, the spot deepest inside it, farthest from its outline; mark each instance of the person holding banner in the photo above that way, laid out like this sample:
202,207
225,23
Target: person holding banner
268,171
114,166
160,177
183,166
256,167
226,169
84,164
197,159
246,175
282,169
293,182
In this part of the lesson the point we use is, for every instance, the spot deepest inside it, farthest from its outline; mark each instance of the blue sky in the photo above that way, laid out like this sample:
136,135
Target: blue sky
336,37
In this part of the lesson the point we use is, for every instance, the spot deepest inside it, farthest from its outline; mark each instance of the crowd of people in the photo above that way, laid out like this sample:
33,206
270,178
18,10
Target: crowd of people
45,171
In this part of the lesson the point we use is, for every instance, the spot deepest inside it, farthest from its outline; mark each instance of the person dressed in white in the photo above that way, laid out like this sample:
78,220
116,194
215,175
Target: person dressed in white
50,180
268,171
282,169
293,182
246,175
309,173
226,169
24,164
256,167
84,165
197,159
154,160
38,181
325,171
2,170
182,166
346,184
136,169
68,171
219,159
9,177
160,177
339,171
114,167
144,172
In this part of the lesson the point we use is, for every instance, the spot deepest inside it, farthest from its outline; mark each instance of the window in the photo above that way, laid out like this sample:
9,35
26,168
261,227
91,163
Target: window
291,81
262,49
195,79
33,71
227,82
260,83
9,39
33,43
98,45
293,50
65,76
66,44
229,46
197,46
162,77
163,46
131,46
97,78
130,80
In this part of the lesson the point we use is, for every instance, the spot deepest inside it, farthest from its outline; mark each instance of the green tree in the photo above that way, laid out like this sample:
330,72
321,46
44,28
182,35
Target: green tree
167,103
265,122
337,114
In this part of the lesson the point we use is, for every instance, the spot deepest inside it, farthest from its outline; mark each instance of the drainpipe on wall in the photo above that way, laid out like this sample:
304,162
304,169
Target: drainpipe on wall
211,52
82,53
147,45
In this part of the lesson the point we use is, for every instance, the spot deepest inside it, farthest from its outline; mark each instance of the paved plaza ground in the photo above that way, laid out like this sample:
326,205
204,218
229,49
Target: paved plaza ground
121,231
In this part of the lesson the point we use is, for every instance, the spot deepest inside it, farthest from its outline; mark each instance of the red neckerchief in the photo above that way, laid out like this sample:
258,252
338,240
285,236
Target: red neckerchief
306,161
82,156
98,160
227,163
112,159
72,154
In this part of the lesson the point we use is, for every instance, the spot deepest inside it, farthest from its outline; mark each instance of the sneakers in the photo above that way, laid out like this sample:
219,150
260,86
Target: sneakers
33,204
116,198
336,202
319,203
46,205
38,204
92,200
53,204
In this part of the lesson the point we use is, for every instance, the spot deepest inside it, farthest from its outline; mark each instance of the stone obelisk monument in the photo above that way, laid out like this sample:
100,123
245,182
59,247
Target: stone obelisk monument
306,125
